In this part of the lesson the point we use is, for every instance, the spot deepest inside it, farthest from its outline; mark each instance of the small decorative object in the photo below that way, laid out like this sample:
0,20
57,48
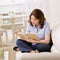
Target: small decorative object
5,21
11,14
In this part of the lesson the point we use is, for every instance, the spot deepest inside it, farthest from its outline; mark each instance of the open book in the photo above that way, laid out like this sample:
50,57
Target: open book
32,36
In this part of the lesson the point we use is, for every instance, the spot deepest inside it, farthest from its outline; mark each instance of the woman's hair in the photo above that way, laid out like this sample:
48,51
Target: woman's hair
38,14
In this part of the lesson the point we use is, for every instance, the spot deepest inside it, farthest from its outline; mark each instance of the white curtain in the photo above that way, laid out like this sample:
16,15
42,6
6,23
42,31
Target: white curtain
7,2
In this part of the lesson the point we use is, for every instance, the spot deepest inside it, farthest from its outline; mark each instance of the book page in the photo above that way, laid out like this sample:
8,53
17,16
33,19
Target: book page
22,36
32,36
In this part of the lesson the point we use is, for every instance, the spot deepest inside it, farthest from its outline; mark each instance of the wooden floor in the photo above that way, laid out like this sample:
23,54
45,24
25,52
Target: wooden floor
12,53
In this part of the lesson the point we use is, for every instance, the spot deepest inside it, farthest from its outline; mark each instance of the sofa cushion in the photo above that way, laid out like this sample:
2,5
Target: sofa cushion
54,49
38,56
56,37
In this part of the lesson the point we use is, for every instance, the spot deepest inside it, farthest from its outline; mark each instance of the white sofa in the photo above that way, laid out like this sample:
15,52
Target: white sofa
53,55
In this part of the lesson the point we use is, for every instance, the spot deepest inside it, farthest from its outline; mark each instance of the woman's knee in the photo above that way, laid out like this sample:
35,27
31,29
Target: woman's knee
19,41
43,47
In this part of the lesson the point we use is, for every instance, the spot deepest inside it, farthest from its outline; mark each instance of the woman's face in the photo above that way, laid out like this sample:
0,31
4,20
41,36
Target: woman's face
34,21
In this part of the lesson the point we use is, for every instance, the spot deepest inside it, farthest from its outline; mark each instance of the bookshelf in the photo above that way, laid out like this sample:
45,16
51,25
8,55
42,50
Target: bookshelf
11,20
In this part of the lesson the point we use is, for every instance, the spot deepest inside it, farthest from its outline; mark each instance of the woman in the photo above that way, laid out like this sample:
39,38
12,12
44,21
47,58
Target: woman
38,26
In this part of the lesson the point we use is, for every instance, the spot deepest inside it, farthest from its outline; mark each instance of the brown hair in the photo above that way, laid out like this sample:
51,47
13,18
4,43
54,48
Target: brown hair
38,14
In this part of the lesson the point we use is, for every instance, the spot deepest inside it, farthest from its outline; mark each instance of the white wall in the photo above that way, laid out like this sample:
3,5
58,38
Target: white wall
54,12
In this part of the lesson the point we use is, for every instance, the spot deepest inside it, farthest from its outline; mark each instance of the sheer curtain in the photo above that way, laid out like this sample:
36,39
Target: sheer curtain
7,2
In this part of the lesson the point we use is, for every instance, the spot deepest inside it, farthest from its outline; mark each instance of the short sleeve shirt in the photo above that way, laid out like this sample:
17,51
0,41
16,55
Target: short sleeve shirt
40,32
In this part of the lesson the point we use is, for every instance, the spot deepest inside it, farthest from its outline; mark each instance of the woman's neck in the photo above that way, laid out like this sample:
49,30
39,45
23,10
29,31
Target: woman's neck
37,26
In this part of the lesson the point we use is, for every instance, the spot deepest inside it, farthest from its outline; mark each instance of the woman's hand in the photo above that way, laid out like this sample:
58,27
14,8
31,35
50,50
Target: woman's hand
17,31
30,40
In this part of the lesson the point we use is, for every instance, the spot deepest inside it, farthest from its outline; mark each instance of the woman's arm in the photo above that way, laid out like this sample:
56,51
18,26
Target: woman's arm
46,40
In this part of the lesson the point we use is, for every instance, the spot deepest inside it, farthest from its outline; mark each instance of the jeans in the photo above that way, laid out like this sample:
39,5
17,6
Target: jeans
26,46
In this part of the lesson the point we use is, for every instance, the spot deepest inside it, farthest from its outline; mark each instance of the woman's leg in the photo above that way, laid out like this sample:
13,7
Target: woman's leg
23,45
43,47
